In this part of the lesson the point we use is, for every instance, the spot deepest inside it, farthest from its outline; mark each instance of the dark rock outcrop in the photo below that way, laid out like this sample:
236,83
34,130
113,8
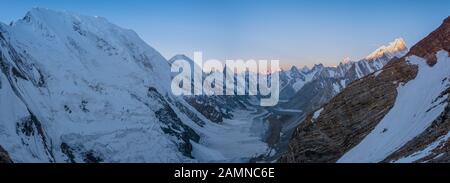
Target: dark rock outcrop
173,124
4,157
435,41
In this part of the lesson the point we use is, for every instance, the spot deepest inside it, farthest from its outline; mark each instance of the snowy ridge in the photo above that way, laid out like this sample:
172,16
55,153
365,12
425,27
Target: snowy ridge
73,103
80,89
396,48
75,88
412,113
425,152
347,70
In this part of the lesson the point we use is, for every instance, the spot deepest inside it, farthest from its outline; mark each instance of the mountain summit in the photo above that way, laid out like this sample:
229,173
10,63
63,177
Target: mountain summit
77,88
396,48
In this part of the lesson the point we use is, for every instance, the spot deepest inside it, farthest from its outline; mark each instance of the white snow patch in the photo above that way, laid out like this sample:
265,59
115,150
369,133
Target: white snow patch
289,110
377,73
343,83
298,85
336,88
425,152
308,77
317,113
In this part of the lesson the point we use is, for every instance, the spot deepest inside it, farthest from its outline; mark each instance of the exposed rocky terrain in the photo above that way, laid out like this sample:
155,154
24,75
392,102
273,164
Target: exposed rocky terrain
342,126
4,157
80,89
314,87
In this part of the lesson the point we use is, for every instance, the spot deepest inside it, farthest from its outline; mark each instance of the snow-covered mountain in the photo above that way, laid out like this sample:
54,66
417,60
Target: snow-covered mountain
309,90
306,90
397,48
398,114
76,88
216,107
346,72
303,90
60,72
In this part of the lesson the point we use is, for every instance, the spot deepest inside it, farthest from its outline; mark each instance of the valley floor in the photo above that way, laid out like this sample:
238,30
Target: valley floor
234,140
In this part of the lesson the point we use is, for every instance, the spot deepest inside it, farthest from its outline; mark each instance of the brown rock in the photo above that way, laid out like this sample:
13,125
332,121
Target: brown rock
4,157
435,41
349,117
355,112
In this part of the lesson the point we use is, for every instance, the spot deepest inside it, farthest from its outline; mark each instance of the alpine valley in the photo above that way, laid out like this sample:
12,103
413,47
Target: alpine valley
79,89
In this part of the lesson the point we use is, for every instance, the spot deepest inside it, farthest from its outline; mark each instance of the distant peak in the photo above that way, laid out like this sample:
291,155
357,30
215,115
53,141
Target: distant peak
395,48
180,57
305,68
294,69
41,9
346,60
318,66
398,44
38,11
46,15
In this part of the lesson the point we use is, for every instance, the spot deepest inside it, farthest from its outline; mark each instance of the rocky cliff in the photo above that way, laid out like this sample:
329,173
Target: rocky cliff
348,119
4,157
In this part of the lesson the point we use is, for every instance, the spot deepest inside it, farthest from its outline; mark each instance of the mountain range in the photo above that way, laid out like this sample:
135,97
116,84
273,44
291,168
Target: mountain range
397,114
79,89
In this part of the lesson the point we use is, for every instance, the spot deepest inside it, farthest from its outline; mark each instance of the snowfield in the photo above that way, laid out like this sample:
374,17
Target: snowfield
93,96
425,152
76,88
234,141
418,103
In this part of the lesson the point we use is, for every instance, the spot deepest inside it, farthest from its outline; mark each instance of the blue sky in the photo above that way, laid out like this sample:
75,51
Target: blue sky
293,31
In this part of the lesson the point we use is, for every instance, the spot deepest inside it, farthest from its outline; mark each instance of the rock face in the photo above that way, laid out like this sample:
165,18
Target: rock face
4,157
350,116
437,40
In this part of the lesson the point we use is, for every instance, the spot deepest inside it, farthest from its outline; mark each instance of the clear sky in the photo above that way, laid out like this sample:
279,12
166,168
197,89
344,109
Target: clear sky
295,32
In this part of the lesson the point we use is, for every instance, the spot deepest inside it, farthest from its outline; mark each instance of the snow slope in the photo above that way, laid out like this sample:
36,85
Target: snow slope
418,103
75,88
425,152
80,89
235,140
